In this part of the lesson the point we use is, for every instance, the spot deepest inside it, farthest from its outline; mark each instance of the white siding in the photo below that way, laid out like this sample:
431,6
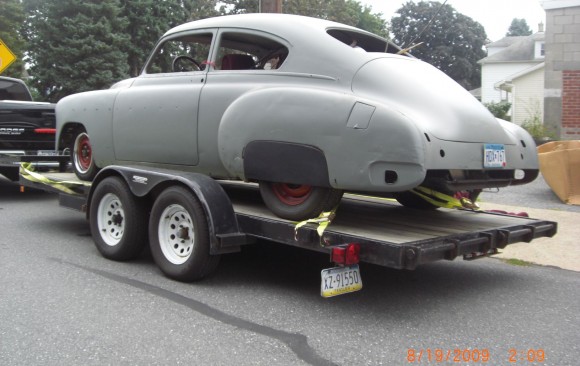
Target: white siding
491,73
528,97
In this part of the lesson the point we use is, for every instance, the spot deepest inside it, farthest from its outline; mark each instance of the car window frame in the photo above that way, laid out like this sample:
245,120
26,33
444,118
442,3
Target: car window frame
267,35
173,36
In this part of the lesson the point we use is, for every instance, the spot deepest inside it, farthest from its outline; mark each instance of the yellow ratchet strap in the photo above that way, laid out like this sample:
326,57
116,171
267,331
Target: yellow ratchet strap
28,173
323,220
443,200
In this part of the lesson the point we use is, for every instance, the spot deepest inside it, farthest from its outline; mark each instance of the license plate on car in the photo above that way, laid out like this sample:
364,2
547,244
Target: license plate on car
494,156
340,280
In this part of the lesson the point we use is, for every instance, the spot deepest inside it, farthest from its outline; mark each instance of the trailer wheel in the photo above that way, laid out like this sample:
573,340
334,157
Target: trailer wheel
82,157
179,236
118,220
298,202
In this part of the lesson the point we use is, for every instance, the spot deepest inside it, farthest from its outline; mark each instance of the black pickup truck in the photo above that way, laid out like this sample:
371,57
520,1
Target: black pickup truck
26,127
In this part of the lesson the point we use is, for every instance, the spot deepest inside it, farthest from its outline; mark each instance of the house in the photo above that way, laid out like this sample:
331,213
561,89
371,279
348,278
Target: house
513,71
562,69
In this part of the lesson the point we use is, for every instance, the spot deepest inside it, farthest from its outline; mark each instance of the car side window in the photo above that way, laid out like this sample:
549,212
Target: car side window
181,54
249,51
363,41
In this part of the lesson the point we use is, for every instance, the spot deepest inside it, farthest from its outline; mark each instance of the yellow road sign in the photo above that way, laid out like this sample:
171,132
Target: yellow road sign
6,57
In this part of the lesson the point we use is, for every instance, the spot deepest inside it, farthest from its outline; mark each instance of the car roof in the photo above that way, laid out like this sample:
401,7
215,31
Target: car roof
309,38
284,25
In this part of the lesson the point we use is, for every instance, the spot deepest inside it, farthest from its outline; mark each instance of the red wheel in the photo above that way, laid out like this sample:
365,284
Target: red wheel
298,201
82,157
83,152
291,194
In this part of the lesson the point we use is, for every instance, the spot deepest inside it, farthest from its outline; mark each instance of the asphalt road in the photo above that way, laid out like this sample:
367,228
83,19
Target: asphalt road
536,194
61,303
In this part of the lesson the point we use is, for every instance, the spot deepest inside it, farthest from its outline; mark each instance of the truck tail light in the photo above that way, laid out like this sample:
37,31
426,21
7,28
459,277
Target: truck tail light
348,254
45,131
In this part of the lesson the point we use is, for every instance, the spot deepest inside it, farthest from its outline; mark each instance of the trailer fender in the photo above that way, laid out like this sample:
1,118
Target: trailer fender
225,236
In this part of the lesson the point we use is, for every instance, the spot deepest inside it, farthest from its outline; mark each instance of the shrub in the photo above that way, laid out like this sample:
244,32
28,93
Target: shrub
539,132
499,110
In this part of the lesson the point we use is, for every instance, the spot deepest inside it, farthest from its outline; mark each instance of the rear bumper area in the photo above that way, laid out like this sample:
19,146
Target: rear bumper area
462,180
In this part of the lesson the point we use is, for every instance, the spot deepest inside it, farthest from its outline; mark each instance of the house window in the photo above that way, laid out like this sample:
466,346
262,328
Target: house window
539,50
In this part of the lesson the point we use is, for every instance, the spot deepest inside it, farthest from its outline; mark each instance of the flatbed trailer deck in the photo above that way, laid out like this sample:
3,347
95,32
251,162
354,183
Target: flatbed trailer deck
388,234
10,162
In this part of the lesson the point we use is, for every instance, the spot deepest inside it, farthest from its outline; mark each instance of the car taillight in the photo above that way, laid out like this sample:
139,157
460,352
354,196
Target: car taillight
45,131
347,255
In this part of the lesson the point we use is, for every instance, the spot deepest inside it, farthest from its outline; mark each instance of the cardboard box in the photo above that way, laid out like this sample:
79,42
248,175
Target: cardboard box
560,166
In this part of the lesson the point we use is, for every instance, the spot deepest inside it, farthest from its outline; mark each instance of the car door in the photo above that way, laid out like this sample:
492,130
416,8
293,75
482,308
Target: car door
240,58
156,119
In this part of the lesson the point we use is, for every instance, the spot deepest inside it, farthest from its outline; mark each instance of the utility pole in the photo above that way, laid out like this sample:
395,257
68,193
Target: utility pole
270,6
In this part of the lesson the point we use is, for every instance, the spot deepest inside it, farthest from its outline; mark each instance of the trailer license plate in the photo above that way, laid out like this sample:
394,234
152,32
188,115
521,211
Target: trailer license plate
494,156
340,280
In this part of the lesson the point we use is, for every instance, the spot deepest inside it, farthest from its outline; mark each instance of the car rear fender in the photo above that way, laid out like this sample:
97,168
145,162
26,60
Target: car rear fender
92,111
283,134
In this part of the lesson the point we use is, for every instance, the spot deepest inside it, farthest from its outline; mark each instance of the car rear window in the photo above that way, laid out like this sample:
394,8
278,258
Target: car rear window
365,41
13,90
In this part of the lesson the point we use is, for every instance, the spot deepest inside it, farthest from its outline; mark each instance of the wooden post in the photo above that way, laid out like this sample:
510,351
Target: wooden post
271,6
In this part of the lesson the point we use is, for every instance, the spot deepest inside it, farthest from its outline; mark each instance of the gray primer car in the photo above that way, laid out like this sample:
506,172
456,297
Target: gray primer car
306,107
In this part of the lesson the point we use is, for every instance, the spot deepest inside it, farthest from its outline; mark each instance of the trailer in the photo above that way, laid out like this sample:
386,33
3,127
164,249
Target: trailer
190,220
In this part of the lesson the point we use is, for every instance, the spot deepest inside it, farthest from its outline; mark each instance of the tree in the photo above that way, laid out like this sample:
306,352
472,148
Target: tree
149,19
519,27
10,24
349,12
75,45
363,18
451,41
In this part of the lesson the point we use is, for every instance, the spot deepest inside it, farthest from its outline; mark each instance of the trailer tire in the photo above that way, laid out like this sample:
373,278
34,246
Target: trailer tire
117,219
179,236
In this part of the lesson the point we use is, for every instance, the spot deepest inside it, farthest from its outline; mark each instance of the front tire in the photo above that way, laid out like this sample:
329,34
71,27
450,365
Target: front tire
82,157
298,202
179,236
117,220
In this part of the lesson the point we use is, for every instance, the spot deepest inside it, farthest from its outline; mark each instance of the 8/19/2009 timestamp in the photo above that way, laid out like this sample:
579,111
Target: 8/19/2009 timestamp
457,355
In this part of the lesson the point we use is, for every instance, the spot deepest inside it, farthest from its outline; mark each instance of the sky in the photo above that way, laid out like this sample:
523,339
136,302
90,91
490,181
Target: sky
495,15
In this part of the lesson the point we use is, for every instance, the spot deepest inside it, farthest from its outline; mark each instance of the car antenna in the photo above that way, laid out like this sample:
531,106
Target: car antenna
407,49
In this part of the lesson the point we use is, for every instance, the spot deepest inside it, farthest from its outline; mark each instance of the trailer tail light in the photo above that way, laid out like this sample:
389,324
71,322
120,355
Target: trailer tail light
352,254
45,131
347,254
